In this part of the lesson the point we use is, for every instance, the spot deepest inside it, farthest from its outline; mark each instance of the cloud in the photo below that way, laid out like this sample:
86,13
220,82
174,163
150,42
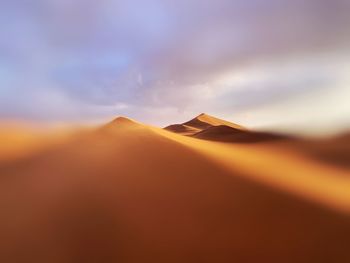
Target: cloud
226,56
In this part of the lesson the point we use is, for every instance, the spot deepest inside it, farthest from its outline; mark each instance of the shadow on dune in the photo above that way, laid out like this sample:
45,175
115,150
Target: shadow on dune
334,150
224,133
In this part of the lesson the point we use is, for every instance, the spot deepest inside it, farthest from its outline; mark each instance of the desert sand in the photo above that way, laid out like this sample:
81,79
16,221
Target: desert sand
130,192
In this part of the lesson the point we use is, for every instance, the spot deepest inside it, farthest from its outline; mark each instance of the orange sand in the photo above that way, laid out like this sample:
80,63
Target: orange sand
128,192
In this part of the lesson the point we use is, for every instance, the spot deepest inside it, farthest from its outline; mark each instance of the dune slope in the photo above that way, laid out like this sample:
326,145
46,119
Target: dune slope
127,192
225,133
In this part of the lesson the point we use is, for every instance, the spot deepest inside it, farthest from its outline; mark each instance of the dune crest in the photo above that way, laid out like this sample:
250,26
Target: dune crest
206,120
121,123
200,123
208,127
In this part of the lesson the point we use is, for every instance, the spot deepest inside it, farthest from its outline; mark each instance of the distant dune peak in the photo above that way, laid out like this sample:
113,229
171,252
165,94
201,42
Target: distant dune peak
200,123
208,127
213,121
123,120
202,115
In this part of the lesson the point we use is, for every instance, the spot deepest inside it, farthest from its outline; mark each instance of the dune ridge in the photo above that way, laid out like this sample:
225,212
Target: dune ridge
208,127
200,123
321,178
205,121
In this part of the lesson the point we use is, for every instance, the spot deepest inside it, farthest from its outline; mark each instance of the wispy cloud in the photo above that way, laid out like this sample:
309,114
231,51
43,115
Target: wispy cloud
77,60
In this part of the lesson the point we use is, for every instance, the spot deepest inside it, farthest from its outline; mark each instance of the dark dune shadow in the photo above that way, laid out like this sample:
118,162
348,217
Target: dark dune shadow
224,133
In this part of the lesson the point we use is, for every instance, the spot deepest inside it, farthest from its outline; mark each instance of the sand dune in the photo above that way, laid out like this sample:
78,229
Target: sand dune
208,127
128,192
200,123
203,121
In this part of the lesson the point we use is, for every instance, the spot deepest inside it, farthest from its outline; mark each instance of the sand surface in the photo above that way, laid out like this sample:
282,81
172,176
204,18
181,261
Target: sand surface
129,192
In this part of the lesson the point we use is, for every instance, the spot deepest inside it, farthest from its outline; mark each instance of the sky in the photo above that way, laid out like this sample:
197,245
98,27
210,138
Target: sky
279,65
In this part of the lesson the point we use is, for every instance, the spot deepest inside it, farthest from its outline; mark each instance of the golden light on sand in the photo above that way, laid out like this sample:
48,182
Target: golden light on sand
130,192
